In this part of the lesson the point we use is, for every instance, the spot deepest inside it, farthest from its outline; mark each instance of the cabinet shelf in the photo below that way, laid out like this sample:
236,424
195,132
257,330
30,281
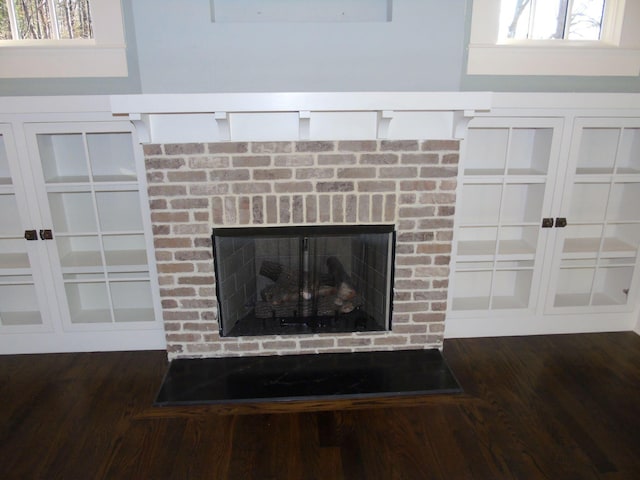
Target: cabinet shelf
130,315
508,302
15,319
14,261
121,315
581,300
611,247
117,261
470,303
83,179
487,249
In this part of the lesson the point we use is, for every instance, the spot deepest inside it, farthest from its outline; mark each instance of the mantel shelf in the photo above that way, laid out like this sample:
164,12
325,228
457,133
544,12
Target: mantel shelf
176,118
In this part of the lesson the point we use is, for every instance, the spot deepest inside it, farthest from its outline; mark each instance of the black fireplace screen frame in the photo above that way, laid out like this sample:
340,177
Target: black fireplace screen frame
350,316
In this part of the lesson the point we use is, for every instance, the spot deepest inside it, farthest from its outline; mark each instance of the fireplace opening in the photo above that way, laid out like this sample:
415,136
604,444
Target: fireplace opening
307,279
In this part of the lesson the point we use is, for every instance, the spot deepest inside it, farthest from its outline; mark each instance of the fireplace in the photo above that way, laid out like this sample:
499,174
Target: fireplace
303,279
403,190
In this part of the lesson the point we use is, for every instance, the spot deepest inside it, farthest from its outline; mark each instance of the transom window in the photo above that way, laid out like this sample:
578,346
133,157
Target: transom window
45,19
551,19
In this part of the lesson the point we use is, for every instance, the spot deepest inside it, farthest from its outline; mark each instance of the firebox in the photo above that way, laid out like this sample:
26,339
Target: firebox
305,279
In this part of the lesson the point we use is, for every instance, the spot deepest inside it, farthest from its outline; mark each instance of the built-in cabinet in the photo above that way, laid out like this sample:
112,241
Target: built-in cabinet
507,186
548,225
75,269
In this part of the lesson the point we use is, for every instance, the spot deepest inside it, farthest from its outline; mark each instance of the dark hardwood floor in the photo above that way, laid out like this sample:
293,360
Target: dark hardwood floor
550,407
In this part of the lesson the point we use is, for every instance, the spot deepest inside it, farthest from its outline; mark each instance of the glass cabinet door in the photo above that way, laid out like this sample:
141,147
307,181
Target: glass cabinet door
21,296
598,250
95,214
506,188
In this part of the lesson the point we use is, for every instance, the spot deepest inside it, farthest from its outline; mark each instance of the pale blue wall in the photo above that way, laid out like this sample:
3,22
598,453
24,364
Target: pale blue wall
181,50
174,47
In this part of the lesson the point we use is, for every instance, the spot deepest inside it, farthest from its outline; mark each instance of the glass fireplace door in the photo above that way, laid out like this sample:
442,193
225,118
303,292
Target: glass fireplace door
295,280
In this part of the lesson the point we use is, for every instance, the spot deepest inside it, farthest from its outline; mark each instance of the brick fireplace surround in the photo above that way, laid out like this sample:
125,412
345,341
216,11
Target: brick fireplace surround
197,186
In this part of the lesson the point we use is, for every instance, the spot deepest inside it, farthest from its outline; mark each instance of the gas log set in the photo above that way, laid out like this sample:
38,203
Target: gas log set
330,293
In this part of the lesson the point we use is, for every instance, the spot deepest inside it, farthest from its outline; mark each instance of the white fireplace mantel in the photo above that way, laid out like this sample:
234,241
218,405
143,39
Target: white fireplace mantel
180,118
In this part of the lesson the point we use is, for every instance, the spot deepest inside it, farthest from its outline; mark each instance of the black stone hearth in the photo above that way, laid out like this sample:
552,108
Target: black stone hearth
330,376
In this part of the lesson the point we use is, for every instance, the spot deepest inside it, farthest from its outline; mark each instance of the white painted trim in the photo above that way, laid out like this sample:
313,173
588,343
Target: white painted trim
300,101
572,60
523,324
11,344
62,62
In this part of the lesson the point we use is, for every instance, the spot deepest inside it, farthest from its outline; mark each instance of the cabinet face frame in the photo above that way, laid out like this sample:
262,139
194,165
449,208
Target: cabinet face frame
92,273
33,272
594,181
515,264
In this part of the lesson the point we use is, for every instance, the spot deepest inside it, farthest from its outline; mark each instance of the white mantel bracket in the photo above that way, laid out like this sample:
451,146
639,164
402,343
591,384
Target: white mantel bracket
461,121
304,125
224,126
384,121
141,122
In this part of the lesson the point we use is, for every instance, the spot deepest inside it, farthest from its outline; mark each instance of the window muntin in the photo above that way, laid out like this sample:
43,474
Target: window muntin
45,19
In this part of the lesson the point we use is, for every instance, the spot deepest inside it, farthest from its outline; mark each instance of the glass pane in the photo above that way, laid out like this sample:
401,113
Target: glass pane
612,285
125,251
34,19
132,301
18,302
629,154
63,158
88,302
574,286
511,289
529,151
476,287
74,19
522,203
586,20
13,253
589,202
111,156
72,212
477,241
518,240
302,280
549,19
119,211
487,151
623,205
9,220
78,252
597,150
480,204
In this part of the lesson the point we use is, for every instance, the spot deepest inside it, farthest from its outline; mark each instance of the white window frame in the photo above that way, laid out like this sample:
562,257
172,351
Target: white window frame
616,54
102,56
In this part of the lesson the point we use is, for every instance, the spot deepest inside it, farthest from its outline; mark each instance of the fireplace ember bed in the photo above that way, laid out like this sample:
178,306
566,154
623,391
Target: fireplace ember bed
306,279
